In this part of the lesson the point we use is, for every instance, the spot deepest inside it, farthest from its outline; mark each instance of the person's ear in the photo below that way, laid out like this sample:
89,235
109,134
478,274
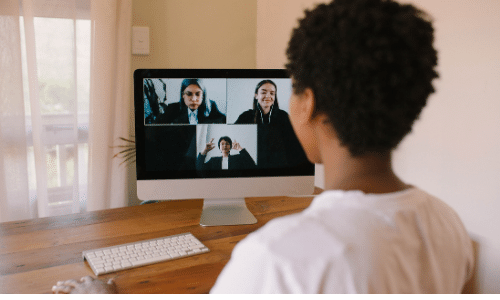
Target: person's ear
308,102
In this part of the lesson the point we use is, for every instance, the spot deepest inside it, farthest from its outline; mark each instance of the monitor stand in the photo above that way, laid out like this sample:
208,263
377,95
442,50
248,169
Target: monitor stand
217,212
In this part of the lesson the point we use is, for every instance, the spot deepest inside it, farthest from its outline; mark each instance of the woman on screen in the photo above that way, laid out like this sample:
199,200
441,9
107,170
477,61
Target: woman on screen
278,146
193,107
265,106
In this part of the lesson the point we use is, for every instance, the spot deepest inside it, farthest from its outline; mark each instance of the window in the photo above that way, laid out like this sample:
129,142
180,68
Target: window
62,47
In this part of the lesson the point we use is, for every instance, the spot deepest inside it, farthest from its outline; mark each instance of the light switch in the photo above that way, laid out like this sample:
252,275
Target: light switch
140,40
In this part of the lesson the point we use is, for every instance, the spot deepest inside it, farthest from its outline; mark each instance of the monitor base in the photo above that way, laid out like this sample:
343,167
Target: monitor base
219,212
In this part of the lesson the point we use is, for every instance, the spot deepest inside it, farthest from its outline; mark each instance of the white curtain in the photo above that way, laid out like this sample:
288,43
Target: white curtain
110,109
64,101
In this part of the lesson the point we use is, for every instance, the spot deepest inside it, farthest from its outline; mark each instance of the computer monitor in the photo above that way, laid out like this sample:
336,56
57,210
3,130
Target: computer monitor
220,135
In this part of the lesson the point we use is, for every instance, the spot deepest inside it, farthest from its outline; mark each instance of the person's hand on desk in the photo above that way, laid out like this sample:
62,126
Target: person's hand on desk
86,285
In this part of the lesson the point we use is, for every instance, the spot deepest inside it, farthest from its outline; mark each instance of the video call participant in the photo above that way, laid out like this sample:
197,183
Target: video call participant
362,72
265,106
277,144
193,107
240,161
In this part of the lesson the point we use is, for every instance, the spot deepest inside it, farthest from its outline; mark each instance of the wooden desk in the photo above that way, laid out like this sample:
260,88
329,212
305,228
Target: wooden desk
35,254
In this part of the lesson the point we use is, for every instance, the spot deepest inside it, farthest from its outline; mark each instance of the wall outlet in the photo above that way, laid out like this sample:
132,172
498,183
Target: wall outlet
140,40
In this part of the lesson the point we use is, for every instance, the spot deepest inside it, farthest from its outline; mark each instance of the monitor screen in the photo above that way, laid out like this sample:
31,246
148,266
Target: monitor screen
210,133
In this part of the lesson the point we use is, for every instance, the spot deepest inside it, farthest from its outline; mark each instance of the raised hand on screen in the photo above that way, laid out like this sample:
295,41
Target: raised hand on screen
210,145
237,146
165,90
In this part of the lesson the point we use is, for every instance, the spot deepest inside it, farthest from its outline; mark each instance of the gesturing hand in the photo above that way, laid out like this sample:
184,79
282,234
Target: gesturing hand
237,146
149,90
165,90
208,147
86,285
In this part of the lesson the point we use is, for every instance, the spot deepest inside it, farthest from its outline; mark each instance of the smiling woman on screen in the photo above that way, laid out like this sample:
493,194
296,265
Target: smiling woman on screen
265,106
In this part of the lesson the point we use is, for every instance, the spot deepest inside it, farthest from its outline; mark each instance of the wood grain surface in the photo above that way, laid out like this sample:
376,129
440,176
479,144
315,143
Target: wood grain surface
35,254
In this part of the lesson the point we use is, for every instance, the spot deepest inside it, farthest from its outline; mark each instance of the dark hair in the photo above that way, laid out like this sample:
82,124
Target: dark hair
227,139
204,108
255,102
370,65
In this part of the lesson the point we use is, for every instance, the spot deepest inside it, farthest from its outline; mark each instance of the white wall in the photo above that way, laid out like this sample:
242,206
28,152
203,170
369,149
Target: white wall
197,33
454,149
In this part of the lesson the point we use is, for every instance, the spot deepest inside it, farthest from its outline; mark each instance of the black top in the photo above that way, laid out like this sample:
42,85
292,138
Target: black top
242,161
277,144
275,116
175,114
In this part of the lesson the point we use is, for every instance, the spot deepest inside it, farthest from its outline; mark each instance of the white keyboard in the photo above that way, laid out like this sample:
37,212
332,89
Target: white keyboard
126,256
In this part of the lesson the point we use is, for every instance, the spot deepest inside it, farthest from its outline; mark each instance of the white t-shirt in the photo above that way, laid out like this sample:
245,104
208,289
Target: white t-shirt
351,242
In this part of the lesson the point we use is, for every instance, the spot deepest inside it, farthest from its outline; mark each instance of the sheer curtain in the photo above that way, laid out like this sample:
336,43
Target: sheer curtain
64,99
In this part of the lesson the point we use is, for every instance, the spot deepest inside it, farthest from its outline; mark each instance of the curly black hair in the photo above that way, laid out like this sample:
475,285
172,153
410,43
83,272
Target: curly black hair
370,65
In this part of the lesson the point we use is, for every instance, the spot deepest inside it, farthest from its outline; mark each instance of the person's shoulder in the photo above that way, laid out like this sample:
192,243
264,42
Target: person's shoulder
215,160
212,103
280,118
246,117
419,197
281,115
439,208
172,111
247,114
173,106
281,112
243,151
213,106
329,218
297,236
215,114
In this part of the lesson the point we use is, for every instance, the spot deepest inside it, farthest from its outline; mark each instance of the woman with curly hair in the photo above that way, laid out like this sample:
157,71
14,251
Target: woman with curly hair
362,71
